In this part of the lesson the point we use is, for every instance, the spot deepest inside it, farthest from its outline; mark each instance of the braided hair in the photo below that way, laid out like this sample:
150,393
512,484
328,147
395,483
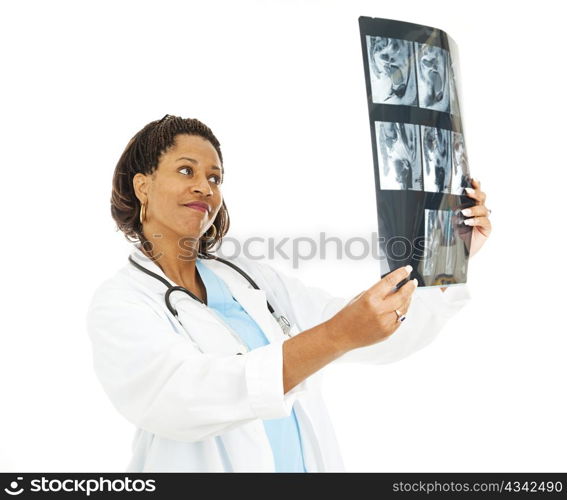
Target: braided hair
141,155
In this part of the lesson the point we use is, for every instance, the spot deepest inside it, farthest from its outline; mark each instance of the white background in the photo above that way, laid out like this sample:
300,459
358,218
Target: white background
282,86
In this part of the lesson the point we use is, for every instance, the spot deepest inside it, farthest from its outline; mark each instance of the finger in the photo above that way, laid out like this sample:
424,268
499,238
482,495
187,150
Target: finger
475,183
476,194
404,307
385,285
476,211
398,299
402,310
478,221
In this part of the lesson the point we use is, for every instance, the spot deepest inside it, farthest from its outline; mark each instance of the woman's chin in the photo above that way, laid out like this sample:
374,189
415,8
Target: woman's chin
191,235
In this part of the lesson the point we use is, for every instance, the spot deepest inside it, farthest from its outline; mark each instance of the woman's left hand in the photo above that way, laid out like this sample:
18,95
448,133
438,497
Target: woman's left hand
478,218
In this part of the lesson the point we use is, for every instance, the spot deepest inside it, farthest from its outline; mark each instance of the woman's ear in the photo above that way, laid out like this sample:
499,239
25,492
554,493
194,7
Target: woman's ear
140,184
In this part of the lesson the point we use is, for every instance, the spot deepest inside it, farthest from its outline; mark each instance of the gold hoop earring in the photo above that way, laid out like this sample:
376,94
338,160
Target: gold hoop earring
214,233
142,214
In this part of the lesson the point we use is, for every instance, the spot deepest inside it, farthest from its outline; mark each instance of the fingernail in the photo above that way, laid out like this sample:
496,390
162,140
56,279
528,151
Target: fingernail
415,281
466,211
469,190
409,269
469,222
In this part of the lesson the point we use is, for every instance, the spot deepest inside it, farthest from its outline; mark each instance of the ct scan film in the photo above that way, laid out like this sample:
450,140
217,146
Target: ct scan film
418,144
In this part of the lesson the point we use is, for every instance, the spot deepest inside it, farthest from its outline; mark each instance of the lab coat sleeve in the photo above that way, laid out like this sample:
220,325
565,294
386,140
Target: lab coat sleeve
309,306
160,382
429,311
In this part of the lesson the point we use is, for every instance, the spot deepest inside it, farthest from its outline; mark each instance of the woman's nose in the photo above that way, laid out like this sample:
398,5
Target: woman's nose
202,186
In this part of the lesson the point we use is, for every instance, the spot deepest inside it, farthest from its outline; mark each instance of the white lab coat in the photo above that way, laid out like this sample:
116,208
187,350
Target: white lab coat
198,405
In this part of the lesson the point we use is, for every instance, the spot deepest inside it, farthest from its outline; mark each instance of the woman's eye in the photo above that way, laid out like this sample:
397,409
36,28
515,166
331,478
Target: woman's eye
217,179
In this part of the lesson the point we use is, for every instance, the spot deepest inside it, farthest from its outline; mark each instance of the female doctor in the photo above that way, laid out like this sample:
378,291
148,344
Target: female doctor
216,362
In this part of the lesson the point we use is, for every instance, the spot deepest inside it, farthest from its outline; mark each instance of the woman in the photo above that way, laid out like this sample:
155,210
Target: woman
213,383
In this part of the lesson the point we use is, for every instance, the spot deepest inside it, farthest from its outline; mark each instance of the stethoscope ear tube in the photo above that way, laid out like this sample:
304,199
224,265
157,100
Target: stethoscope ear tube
147,271
181,289
170,287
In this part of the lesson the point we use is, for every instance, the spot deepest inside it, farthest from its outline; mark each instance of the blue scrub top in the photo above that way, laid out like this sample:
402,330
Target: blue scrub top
283,433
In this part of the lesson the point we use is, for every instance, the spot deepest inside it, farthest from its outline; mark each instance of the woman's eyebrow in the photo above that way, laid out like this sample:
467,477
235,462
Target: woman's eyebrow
214,167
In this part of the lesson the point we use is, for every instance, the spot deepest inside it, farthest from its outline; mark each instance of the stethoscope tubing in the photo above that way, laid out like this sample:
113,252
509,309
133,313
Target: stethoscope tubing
171,288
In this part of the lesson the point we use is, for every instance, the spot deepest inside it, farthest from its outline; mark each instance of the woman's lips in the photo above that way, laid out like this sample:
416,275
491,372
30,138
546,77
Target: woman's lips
196,206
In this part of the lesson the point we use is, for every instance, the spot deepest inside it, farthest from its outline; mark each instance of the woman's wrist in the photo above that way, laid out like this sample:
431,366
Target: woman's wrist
308,352
334,336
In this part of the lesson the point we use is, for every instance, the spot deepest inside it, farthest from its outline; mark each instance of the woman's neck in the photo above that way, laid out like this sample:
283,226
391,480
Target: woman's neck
177,262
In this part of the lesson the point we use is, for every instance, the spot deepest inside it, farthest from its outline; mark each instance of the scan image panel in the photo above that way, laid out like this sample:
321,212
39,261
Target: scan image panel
420,160
392,70
399,157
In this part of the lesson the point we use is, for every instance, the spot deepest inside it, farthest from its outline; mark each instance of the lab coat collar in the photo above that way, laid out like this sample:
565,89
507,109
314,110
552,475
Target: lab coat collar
252,300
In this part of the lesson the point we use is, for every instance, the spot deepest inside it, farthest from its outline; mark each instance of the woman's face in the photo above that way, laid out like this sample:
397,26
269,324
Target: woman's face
190,171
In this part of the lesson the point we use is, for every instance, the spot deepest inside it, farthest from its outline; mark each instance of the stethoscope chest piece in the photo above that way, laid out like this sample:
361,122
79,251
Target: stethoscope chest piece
284,325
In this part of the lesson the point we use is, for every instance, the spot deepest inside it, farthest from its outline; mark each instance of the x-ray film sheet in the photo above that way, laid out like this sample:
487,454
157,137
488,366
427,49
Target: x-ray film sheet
418,145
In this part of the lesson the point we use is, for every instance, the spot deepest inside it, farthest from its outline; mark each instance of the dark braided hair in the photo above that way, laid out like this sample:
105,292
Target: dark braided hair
142,156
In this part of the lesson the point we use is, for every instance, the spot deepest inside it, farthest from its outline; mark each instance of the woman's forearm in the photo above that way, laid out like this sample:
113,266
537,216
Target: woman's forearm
308,352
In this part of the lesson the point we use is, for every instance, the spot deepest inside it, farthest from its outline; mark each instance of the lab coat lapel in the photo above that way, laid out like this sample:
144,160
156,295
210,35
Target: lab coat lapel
252,300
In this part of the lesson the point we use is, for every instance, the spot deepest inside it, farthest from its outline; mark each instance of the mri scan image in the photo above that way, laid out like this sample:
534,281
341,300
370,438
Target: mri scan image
433,77
454,98
460,178
392,71
399,160
435,148
445,255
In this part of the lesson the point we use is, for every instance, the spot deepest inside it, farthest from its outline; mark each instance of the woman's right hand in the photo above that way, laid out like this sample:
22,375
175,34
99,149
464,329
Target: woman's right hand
370,317
367,319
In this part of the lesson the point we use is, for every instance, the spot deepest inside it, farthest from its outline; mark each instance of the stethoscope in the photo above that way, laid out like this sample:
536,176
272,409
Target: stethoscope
281,319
